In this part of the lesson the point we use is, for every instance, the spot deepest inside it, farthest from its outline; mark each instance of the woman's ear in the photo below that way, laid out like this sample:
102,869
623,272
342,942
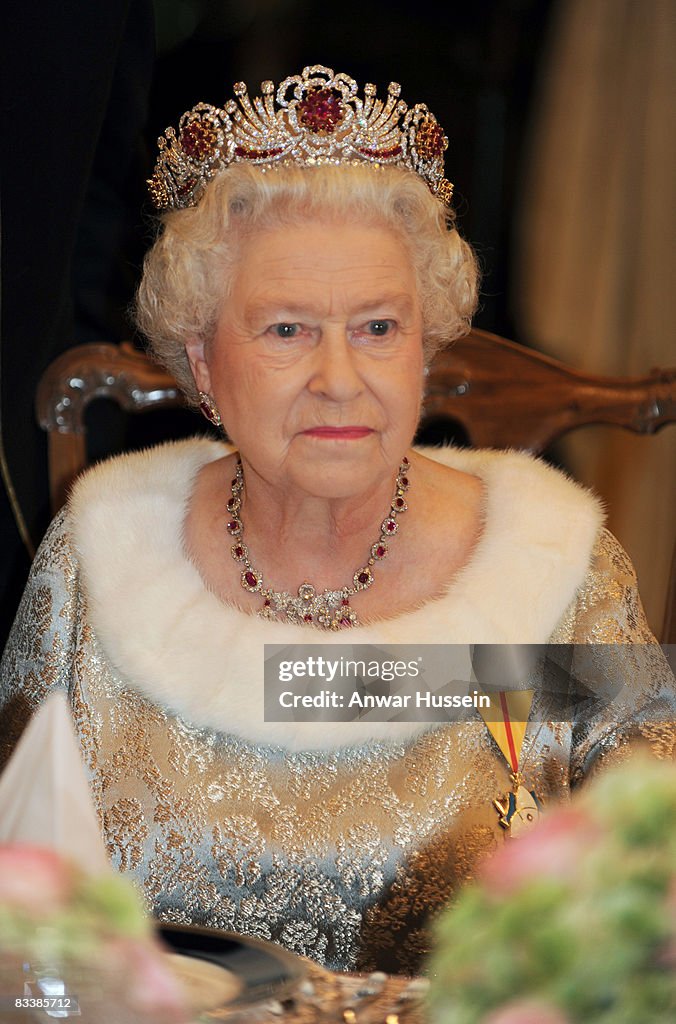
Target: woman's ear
195,349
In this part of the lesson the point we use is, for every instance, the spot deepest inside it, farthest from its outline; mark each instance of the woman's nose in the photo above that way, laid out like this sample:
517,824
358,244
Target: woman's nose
336,375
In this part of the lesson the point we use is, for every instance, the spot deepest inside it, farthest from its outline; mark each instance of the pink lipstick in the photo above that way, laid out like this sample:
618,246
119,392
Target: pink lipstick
348,433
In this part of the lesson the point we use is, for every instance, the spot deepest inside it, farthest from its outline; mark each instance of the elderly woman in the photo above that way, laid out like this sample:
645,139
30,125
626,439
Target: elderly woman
306,271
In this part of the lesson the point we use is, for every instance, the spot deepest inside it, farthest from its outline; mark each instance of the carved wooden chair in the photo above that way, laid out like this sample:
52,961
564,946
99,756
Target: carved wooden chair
501,394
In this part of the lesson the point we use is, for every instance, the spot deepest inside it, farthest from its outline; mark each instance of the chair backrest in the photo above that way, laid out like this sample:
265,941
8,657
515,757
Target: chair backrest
509,396
77,377
502,395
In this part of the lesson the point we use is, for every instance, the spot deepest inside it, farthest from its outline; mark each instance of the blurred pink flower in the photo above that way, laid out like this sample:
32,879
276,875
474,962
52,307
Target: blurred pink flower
34,879
553,850
527,1011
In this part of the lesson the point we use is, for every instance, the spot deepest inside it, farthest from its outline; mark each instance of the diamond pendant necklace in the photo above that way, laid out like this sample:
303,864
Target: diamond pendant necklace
329,609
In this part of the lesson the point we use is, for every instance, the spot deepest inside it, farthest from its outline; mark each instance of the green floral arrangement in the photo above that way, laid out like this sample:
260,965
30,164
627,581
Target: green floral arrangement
575,923
92,931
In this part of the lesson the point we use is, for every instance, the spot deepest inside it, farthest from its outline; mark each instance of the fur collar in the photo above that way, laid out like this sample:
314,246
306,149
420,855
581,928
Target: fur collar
174,642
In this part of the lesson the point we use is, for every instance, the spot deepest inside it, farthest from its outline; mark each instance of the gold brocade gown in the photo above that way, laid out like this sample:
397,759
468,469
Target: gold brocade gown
338,842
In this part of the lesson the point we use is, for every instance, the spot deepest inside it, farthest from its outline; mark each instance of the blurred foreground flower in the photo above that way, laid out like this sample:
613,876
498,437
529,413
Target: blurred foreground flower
57,922
33,881
576,922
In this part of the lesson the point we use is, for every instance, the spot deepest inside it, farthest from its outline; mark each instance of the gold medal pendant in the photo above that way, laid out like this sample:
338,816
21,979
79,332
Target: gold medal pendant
520,809
506,720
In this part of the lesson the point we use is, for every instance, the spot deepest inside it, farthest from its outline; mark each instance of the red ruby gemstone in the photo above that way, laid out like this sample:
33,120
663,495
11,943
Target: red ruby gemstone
187,186
198,139
429,139
307,618
404,481
233,525
380,551
382,154
321,111
346,622
256,154
266,602
436,140
405,460
399,502
345,602
250,579
239,552
390,526
363,577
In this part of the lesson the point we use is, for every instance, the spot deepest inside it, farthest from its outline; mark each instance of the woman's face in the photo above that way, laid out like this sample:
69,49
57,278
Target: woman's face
316,364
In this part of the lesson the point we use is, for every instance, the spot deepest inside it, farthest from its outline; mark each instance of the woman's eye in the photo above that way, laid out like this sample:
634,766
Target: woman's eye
285,330
379,327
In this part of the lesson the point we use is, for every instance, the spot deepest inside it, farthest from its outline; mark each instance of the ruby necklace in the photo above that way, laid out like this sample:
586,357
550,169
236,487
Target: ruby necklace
329,609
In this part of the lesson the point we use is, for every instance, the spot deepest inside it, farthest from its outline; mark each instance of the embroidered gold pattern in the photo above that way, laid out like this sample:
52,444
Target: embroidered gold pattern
662,738
341,856
125,832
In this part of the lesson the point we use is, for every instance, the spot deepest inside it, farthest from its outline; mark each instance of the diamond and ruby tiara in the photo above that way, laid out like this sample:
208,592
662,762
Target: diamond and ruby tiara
313,118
